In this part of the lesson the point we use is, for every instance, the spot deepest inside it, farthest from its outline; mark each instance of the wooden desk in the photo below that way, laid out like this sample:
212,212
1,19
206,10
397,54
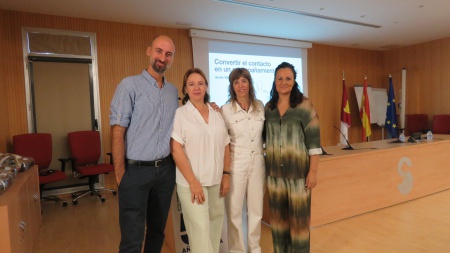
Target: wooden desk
352,182
20,213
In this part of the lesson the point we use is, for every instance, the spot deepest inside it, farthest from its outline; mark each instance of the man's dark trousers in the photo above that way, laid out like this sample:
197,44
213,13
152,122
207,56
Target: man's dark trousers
145,194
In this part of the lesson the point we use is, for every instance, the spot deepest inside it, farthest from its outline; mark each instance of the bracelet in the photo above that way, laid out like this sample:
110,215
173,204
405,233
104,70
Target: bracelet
226,172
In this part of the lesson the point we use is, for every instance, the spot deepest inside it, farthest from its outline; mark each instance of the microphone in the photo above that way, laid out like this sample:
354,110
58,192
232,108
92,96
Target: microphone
349,147
396,141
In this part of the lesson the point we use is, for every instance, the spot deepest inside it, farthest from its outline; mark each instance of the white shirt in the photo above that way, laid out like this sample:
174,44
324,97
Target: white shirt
204,144
244,128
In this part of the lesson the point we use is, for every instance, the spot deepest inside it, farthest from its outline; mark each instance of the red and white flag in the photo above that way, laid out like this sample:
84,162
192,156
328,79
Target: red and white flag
346,117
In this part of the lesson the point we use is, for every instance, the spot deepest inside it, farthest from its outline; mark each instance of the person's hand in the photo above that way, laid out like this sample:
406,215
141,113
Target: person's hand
119,175
311,180
225,185
197,192
214,106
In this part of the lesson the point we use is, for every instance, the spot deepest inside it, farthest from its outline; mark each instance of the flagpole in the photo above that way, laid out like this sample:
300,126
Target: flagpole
365,82
403,104
365,78
383,128
344,137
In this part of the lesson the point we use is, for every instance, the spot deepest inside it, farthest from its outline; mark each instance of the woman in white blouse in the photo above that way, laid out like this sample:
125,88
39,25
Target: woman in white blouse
200,148
244,117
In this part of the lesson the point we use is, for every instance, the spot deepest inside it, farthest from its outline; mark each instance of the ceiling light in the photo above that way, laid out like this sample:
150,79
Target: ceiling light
266,7
183,23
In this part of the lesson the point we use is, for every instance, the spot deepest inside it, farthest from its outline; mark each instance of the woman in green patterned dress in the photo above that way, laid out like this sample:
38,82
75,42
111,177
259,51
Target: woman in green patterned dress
292,155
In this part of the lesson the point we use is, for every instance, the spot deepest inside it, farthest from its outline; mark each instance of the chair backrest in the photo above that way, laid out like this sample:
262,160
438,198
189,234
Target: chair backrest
416,123
441,124
38,146
85,147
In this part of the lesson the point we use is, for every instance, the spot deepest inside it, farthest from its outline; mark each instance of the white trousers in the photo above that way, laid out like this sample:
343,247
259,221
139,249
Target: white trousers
247,181
203,222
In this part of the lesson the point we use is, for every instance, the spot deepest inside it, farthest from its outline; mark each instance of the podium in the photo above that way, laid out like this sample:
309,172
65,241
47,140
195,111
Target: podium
353,182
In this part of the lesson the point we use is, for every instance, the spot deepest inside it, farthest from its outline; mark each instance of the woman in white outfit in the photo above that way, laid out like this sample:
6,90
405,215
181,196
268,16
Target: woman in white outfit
200,148
244,117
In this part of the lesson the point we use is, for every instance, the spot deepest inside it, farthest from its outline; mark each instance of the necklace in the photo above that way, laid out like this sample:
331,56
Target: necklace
245,109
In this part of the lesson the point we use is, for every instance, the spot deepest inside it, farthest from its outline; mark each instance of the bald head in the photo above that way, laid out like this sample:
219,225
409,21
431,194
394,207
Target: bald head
161,53
162,38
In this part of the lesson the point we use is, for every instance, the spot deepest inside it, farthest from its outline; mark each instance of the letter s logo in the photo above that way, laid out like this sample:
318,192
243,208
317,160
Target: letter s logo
406,185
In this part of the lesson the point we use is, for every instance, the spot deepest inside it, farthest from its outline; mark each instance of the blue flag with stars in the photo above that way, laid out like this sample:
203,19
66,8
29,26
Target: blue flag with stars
391,113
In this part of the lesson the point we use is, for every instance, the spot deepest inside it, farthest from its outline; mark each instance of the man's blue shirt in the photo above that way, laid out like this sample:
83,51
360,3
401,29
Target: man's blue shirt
147,112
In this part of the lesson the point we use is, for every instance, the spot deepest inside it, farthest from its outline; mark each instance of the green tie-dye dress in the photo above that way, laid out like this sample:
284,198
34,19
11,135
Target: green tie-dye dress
290,140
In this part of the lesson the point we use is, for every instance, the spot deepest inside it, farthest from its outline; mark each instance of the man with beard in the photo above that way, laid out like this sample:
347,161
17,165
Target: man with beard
141,120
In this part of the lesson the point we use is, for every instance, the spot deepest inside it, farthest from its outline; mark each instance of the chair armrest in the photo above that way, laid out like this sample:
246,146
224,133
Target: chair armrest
63,163
110,158
72,162
73,166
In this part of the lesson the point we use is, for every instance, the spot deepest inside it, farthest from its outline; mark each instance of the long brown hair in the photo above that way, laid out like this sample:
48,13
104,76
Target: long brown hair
236,74
296,96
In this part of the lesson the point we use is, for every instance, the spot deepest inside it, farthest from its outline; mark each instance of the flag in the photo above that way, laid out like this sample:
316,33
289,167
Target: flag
364,113
346,119
391,112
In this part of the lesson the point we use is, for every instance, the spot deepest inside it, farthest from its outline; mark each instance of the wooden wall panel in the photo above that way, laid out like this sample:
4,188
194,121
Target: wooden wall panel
121,51
14,77
325,66
4,123
427,76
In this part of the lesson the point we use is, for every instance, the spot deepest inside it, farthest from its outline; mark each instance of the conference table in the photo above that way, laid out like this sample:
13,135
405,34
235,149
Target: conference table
378,174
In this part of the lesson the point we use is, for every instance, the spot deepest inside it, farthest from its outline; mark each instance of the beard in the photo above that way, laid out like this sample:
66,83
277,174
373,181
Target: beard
159,69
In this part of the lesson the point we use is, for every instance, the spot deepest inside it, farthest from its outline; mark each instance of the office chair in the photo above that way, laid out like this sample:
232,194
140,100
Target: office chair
416,123
85,149
39,147
441,124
